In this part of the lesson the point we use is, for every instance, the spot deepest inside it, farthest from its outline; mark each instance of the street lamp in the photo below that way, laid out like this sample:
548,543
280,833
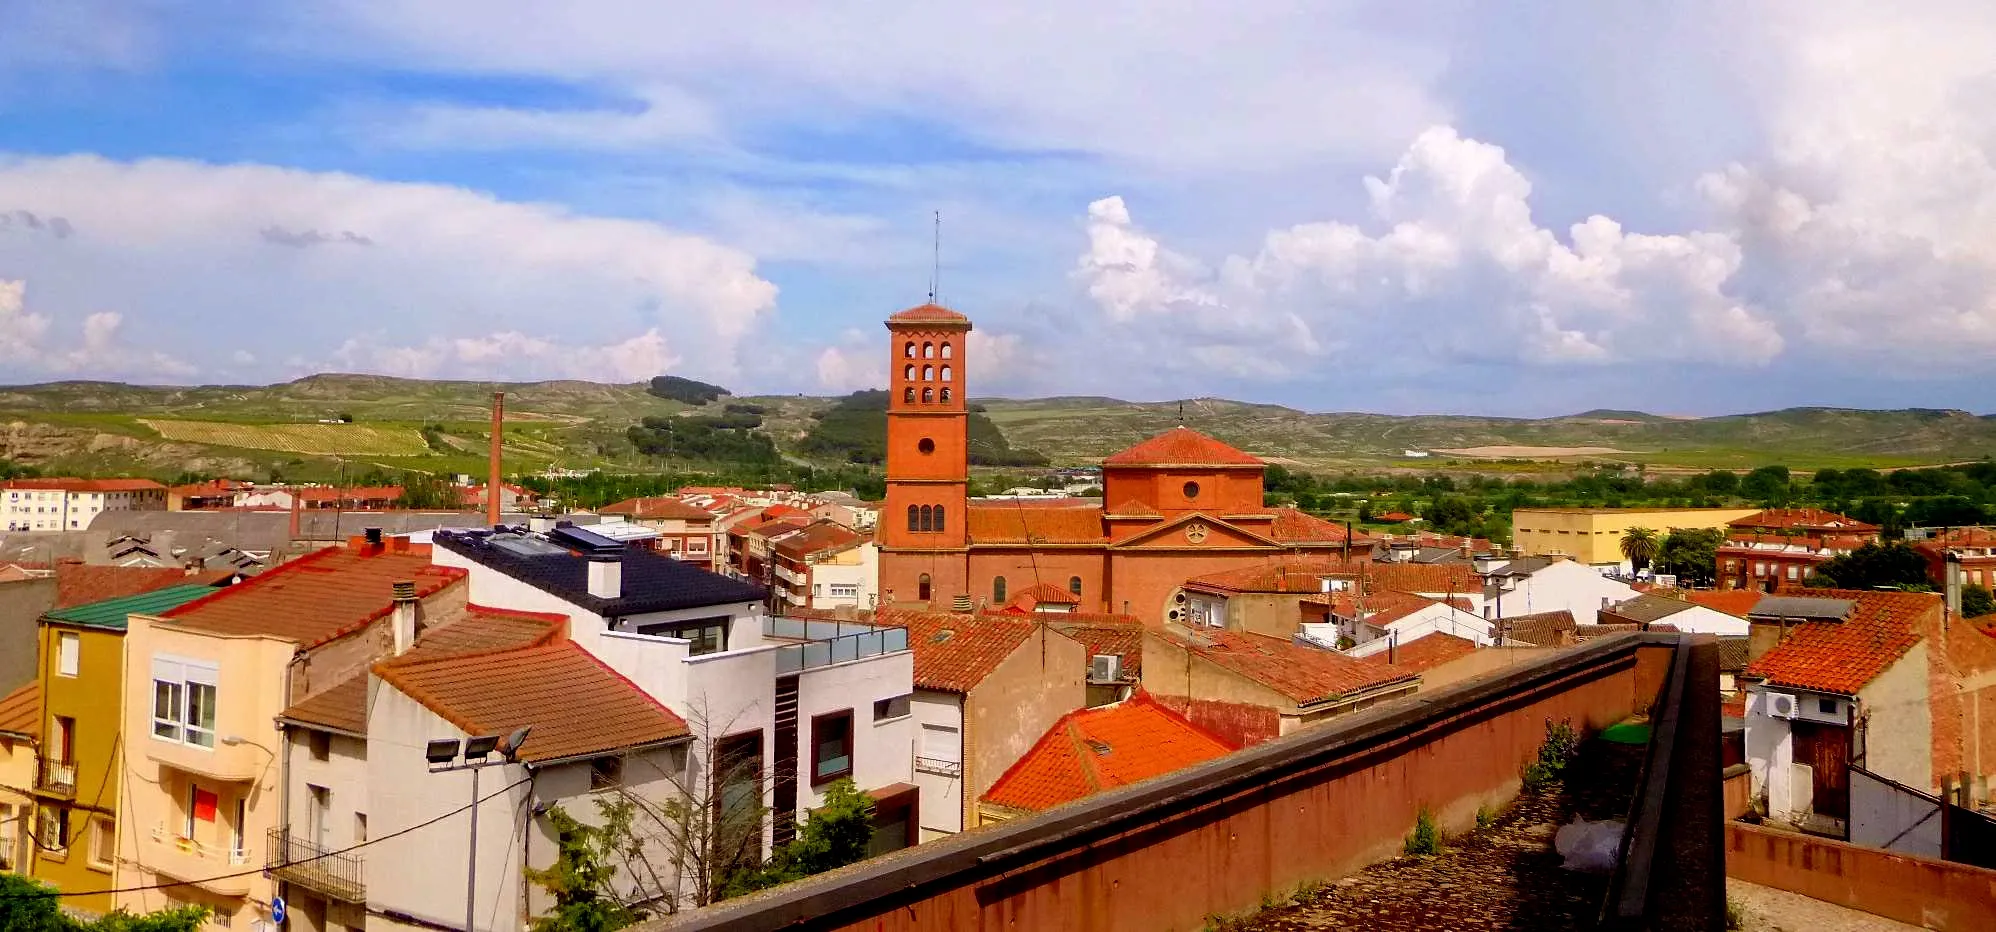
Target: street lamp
443,756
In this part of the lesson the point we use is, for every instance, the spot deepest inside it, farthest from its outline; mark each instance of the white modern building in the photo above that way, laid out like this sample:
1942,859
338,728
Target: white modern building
1531,585
71,504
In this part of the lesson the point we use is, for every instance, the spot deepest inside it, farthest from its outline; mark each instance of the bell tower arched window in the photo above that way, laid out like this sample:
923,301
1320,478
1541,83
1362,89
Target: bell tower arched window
928,395
914,518
909,349
928,373
945,373
928,350
939,517
908,373
908,394
946,352
1074,585
945,394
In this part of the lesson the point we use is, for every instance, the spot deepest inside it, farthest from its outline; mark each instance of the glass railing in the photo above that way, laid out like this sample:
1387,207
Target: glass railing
832,642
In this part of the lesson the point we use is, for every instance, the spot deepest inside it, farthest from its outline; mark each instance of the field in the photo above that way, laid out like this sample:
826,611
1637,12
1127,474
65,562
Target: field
310,439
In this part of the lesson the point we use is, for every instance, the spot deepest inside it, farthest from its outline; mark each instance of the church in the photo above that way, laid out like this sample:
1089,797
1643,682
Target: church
1178,505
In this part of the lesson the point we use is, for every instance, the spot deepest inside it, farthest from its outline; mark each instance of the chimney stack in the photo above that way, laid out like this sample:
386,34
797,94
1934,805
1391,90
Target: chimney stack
373,537
961,605
492,478
403,621
1951,583
606,575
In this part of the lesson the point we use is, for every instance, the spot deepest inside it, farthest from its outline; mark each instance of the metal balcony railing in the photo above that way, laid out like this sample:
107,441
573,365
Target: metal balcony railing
310,865
938,766
58,776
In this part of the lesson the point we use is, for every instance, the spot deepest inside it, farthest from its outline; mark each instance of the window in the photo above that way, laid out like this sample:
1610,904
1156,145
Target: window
998,590
914,518
359,828
709,635
63,747
1191,490
928,519
909,349
183,706
1826,706
926,446
908,394
606,773
928,395
201,806
69,649
1074,585
1794,571
946,350
103,851
922,588
845,590
928,350
891,707
939,517
945,395
928,373
319,809
53,832
945,373
831,746
238,830
908,372
941,744
320,743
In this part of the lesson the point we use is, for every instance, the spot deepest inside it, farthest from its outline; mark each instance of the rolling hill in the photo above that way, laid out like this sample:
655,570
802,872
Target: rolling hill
105,427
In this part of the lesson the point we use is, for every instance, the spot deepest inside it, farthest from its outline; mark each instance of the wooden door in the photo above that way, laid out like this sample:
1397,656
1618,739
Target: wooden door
1826,749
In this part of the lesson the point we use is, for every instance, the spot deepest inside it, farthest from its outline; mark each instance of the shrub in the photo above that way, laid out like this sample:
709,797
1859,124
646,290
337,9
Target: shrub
1427,837
1485,817
1559,748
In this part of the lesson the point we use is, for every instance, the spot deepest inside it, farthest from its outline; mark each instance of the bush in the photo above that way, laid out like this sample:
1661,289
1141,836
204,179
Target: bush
1427,837
1561,744
1485,818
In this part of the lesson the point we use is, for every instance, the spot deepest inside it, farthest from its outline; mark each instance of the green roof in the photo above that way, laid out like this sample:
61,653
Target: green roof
111,613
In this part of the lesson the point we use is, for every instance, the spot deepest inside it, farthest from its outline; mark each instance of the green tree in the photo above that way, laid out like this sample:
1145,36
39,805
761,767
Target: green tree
1691,554
1872,566
31,906
1639,547
1767,485
585,863
1451,514
1976,601
833,835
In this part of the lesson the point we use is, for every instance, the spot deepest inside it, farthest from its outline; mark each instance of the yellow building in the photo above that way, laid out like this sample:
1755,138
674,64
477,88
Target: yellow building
1594,535
20,725
76,778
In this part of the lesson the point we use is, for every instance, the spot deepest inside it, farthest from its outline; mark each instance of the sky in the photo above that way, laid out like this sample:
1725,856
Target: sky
1418,206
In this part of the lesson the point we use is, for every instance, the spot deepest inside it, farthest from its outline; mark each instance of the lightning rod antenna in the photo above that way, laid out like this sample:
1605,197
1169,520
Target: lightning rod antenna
936,268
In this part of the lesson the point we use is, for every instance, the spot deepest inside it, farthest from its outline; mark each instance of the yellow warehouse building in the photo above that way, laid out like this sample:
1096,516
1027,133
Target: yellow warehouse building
1594,535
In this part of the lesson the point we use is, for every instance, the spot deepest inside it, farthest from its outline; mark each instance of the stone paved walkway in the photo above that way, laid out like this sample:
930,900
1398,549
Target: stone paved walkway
1769,910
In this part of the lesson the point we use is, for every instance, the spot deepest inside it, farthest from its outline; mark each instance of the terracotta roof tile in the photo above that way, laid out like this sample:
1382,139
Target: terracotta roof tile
928,314
472,629
82,485
1293,525
1181,446
21,710
1092,750
1735,602
1800,518
1293,576
1077,523
1306,675
1841,657
657,507
817,538
83,583
1132,508
1541,629
953,652
1424,652
1044,594
1118,635
576,706
317,597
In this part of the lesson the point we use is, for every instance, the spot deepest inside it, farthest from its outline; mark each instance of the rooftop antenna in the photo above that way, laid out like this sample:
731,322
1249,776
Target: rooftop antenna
936,268
1181,414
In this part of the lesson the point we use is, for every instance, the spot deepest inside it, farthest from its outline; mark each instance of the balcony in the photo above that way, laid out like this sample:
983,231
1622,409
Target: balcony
237,764
829,642
938,766
315,867
58,778
219,869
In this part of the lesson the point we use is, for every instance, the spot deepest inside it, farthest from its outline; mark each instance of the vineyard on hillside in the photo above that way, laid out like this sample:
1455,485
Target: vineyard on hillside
314,439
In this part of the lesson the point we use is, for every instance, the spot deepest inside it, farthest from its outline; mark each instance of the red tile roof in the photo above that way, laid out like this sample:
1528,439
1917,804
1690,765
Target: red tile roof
657,507
576,706
1841,657
1801,518
1181,446
1736,602
1297,576
928,314
1424,652
82,485
1119,635
317,597
1304,674
21,711
1044,594
953,652
1092,750
83,583
817,538
1960,537
1012,522
473,629
1392,517
1542,629
1293,525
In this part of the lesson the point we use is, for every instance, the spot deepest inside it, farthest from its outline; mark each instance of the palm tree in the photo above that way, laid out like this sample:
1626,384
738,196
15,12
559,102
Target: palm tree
1639,545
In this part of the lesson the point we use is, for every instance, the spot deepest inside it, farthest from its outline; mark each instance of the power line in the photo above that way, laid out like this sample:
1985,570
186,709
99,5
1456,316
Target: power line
270,867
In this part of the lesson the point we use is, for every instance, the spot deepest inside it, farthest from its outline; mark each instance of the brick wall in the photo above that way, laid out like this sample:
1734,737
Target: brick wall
1939,895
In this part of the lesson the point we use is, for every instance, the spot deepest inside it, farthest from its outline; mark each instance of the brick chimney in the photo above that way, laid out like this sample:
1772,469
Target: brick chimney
492,467
405,616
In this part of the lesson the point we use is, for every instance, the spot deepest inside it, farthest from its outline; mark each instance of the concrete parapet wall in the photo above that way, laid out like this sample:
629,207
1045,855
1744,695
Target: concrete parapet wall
1939,895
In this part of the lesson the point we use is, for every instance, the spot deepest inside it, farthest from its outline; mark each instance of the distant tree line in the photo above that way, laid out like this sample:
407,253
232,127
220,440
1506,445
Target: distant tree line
674,388
855,431
728,438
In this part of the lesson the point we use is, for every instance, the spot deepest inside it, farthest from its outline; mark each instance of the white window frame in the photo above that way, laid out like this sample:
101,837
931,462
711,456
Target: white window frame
68,653
173,715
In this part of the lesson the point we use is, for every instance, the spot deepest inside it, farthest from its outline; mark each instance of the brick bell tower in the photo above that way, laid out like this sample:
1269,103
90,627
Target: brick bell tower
923,552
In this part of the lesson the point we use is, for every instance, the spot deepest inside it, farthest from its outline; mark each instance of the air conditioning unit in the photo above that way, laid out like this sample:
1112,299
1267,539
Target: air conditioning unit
1780,705
1105,668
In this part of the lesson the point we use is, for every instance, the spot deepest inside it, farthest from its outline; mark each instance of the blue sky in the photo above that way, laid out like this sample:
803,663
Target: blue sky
1399,207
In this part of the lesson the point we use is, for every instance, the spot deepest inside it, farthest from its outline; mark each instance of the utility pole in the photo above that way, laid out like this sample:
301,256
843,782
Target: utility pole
442,754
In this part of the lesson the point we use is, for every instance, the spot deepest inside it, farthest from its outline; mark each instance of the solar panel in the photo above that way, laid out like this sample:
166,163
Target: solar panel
1802,607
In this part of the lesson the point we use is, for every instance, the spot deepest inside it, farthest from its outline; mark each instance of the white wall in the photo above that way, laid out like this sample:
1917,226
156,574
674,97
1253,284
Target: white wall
652,776
1701,620
1567,585
883,751
1434,619
343,773
1899,727
942,796
1770,750
422,873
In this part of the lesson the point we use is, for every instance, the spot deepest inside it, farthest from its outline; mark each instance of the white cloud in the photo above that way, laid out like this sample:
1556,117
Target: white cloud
846,369
292,263
660,115
26,344
1458,270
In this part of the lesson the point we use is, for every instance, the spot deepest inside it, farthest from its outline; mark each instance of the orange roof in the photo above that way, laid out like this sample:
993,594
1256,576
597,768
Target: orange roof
1013,522
1297,526
1736,602
819,537
576,706
1392,517
21,710
928,314
1092,750
1960,537
1424,652
1290,576
471,630
1304,674
82,485
1045,594
1780,518
1841,657
317,597
1427,578
1543,629
661,507
954,653
1120,635
1181,446
84,583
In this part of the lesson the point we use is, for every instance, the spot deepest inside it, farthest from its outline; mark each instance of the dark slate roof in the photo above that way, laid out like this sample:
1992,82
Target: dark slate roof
1794,606
652,583
1732,653
1646,608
